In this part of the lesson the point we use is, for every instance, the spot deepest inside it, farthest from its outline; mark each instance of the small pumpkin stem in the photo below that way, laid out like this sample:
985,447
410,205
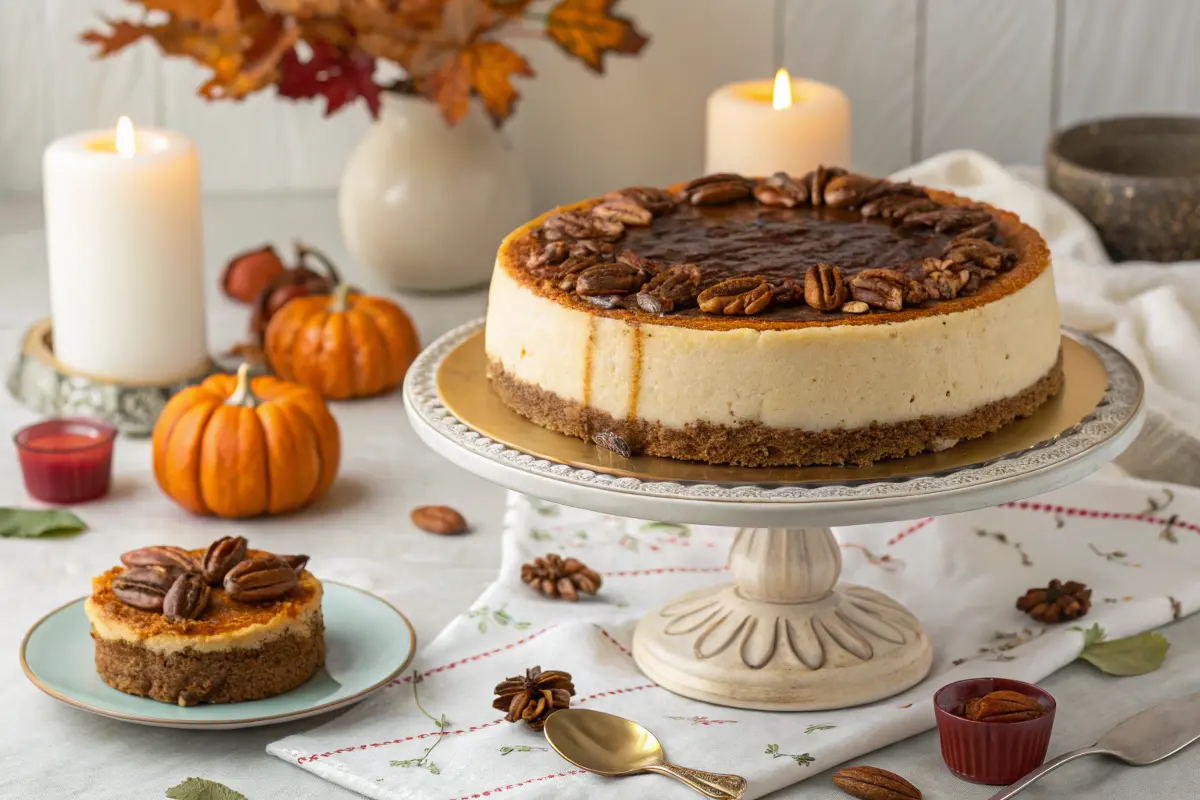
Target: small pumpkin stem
304,252
243,395
338,304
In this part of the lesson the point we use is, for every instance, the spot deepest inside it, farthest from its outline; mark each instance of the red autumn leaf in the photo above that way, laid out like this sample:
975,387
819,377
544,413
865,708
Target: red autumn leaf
120,35
339,76
587,29
494,66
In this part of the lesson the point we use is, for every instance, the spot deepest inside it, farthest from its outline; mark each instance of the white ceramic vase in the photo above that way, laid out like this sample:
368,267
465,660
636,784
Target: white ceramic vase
425,205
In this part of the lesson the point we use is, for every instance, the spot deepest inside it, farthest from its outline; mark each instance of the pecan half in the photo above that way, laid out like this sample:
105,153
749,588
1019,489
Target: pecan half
1003,706
581,225
144,587
721,187
625,211
848,191
948,219
296,562
187,598
222,555
880,288
159,555
674,287
442,520
655,200
781,191
787,291
647,267
984,230
611,441
258,579
945,284
825,287
963,250
543,264
747,295
567,273
609,279
872,783
818,179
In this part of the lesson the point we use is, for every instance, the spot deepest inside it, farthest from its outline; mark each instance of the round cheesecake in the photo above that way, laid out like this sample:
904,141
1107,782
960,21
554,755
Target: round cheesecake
233,651
824,319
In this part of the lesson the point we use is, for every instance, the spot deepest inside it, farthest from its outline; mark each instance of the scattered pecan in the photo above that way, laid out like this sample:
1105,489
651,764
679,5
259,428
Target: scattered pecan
609,279
296,562
825,287
581,225
555,576
160,555
746,295
145,586
258,579
872,783
614,442
848,191
880,288
1057,602
187,598
1003,706
533,697
856,307
721,187
818,179
625,211
782,191
653,199
222,555
673,288
442,520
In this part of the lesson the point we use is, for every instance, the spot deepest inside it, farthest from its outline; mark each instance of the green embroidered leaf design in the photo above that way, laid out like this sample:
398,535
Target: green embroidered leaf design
539,535
815,728
803,760
772,749
31,523
668,528
544,508
203,789
1133,655
520,748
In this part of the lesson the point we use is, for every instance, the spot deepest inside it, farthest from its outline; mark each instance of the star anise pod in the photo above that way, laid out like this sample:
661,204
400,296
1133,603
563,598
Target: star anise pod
533,697
1058,602
555,576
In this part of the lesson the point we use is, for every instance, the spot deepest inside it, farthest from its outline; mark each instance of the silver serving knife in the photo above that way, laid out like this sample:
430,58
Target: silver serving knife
1142,739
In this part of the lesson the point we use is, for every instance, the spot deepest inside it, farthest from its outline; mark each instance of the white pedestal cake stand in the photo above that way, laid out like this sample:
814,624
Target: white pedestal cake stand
785,635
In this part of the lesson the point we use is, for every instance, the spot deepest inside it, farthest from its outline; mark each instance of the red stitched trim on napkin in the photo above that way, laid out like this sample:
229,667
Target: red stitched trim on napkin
1070,511
910,530
476,657
510,786
317,756
618,645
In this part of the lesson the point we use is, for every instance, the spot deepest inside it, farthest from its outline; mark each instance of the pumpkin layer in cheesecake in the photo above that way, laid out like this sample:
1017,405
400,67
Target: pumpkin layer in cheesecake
229,651
735,320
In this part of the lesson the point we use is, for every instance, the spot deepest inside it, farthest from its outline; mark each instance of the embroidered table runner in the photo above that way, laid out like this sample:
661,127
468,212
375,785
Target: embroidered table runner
433,734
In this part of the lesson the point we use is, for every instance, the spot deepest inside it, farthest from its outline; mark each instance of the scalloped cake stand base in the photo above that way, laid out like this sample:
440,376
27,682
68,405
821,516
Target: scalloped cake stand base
785,635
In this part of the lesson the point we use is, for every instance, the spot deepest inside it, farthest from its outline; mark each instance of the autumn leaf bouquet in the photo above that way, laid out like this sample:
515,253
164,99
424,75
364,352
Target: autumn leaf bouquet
447,50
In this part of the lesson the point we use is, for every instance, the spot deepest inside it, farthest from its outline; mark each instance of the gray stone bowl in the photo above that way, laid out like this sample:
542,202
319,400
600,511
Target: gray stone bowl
1137,179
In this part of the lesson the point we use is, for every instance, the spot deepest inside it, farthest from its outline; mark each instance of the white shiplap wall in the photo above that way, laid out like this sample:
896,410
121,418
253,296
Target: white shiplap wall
923,76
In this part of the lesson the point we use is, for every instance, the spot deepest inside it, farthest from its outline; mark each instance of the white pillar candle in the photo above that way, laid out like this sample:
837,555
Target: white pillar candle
761,127
123,239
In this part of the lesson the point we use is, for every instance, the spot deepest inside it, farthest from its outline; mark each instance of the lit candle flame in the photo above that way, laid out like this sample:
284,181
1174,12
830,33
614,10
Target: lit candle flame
783,90
126,142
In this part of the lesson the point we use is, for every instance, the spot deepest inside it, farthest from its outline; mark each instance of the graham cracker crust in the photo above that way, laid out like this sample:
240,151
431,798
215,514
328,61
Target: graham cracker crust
757,445
189,677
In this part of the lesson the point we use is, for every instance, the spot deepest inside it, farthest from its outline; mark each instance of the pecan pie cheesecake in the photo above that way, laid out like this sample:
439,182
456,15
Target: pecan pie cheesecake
831,318
220,625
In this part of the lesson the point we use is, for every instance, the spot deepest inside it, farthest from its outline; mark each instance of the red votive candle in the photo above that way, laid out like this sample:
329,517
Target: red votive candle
66,460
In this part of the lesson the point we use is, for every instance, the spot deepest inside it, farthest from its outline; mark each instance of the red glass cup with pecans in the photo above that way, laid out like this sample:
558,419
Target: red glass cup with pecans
993,730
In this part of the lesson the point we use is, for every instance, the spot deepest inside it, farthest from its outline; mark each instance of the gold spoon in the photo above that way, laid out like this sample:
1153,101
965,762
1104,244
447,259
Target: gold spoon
614,747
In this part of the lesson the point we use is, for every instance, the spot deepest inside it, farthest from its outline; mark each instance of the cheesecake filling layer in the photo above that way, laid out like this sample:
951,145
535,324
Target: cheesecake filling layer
813,379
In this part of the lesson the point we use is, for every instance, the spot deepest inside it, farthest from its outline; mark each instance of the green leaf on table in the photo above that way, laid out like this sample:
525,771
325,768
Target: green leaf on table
669,529
31,523
1133,655
203,789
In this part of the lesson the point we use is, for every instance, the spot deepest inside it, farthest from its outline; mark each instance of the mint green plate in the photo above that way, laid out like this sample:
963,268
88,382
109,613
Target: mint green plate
368,643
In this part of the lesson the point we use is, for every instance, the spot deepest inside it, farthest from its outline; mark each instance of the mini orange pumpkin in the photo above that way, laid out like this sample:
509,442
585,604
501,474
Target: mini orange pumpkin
236,447
342,345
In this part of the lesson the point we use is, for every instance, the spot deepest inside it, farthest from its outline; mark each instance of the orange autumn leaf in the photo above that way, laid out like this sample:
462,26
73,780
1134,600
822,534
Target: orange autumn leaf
119,36
450,87
587,29
216,12
495,65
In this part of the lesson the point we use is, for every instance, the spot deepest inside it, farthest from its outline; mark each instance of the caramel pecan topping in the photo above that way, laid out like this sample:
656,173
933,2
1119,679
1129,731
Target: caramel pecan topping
722,187
187,598
963,250
567,273
608,279
943,281
258,579
645,266
848,191
880,288
748,295
984,230
582,225
159,555
673,288
624,211
145,587
656,201
948,219
222,555
787,292
818,179
1004,705
780,190
825,287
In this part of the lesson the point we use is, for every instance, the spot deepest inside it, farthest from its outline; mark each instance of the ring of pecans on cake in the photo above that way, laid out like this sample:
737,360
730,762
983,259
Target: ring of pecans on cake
217,625
598,254
829,318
